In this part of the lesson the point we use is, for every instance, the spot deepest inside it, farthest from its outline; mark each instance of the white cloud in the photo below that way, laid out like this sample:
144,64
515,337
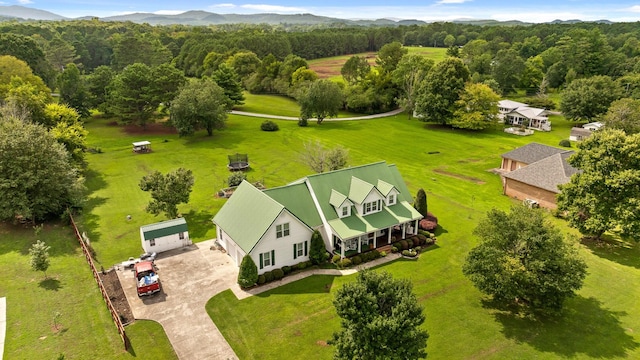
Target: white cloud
452,1
272,8
634,8
25,2
168,12
227,5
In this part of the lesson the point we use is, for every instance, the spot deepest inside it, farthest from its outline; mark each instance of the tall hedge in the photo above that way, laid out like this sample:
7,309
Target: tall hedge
421,202
248,273
317,251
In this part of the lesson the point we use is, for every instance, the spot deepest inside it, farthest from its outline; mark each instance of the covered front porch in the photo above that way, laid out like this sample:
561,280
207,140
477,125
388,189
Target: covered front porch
373,240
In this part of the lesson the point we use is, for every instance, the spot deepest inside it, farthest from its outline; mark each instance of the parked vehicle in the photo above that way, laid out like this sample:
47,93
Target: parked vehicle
147,281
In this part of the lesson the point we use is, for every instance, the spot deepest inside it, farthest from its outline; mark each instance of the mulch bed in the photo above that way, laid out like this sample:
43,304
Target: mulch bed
116,294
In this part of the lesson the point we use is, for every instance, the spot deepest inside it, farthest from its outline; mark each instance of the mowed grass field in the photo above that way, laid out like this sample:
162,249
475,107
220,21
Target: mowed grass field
451,165
329,68
84,327
278,105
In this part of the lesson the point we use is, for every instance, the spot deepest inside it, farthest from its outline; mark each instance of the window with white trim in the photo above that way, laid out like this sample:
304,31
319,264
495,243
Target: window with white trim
371,207
152,242
181,236
345,211
391,200
282,230
267,259
300,249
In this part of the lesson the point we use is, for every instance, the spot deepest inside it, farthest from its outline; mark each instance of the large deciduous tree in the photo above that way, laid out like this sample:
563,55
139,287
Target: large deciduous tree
37,179
201,104
477,108
605,195
624,114
73,90
167,191
380,319
585,99
390,55
323,99
522,260
321,159
408,76
440,91
227,78
506,69
355,69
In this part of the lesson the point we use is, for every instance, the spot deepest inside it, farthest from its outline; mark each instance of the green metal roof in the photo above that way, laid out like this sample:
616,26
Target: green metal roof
247,215
359,190
357,225
337,199
384,187
296,198
164,228
324,184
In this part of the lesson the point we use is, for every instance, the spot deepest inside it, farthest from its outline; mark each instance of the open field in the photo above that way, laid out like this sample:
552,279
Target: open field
85,329
451,165
329,68
277,105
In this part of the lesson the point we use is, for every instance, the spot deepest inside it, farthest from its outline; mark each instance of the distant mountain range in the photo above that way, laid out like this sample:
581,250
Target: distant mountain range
198,17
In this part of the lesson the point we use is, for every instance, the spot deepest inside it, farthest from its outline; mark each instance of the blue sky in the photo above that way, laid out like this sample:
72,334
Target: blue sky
429,10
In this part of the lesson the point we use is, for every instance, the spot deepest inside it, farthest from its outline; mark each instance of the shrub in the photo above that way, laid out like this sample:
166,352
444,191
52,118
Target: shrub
301,266
248,273
344,263
286,269
269,125
277,274
417,249
394,249
335,259
565,143
356,260
429,223
423,232
420,203
409,253
303,122
422,239
430,241
393,238
261,279
384,253
268,276
404,245
375,254
317,250
409,243
236,178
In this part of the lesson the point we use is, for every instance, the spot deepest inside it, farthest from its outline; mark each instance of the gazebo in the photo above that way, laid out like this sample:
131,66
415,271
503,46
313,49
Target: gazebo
238,162
141,147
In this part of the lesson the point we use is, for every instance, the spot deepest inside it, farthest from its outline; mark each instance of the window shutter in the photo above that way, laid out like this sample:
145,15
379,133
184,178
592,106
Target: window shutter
305,248
261,261
273,257
295,253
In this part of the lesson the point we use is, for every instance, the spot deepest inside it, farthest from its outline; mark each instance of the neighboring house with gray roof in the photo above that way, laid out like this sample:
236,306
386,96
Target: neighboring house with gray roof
537,172
579,134
517,113
354,209
165,235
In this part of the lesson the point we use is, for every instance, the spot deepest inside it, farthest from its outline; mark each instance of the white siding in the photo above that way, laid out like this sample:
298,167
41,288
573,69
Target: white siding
373,196
165,243
282,247
232,249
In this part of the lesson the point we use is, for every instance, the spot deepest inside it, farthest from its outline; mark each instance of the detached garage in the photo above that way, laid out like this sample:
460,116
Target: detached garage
165,235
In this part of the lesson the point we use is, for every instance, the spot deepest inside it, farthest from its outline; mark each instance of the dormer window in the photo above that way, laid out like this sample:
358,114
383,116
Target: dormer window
345,211
391,199
371,207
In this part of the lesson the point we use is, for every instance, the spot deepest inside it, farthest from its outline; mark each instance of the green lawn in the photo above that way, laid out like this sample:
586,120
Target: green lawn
451,165
277,105
85,329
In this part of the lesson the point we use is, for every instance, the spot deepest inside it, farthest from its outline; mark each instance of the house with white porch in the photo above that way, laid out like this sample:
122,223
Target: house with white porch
356,209
517,113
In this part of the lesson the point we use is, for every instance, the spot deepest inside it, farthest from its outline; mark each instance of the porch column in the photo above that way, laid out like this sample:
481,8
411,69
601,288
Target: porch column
415,228
341,248
389,235
404,230
359,244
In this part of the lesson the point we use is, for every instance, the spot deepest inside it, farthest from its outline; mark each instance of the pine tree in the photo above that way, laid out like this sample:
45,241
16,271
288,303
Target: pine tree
248,273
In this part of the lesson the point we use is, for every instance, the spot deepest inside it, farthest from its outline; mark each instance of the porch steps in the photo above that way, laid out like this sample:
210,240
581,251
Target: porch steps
386,248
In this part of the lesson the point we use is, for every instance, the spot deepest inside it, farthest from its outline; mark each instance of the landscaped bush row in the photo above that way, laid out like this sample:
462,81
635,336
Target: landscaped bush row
357,259
277,274
423,238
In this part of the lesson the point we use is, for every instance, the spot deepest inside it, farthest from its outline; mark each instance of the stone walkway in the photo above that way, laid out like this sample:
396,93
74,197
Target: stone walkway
243,294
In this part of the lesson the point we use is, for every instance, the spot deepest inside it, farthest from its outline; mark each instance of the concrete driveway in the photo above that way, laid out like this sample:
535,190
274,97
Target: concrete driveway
189,278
